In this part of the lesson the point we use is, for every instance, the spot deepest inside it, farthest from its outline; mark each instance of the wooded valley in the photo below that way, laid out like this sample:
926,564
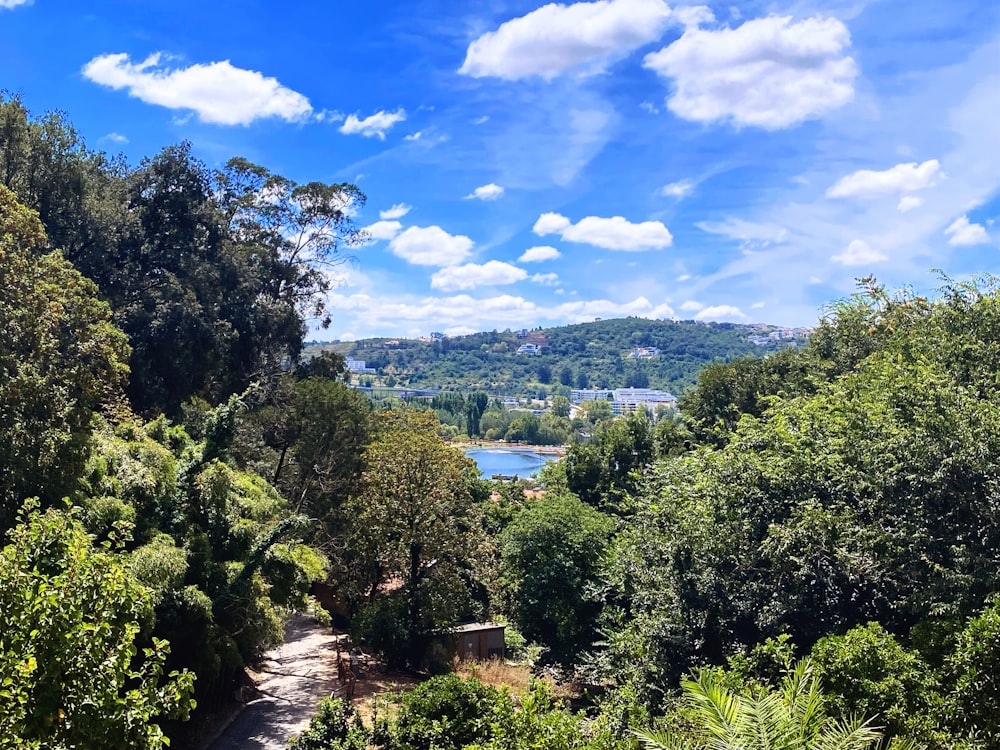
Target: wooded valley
806,555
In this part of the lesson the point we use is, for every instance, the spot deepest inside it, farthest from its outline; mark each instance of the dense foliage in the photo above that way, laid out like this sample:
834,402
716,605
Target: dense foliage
808,551
584,355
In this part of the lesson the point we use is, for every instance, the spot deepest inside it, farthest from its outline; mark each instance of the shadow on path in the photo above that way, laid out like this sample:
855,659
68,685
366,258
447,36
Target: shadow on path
293,679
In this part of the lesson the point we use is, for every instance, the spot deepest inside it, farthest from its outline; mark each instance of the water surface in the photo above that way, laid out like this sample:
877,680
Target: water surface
520,460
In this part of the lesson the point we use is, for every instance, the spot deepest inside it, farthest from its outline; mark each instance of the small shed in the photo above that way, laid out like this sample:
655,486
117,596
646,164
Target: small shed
480,640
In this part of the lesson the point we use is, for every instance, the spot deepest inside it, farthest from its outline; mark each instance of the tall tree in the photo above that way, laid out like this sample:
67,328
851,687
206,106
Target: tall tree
414,527
61,362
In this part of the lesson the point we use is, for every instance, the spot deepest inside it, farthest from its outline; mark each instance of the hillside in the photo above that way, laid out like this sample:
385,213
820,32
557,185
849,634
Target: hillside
600,354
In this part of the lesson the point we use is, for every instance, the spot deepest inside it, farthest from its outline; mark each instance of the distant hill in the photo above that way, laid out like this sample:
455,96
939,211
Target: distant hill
614,353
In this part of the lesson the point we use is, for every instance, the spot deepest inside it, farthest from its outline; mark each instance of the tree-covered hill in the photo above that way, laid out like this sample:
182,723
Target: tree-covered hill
600,354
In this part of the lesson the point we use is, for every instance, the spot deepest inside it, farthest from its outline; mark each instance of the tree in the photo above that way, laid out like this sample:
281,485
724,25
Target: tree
605,472
413,529
69,674
61,362
560,406
297,231
548,559
792,717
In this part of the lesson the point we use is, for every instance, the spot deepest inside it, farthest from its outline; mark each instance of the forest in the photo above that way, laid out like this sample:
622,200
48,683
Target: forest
598,354
805,556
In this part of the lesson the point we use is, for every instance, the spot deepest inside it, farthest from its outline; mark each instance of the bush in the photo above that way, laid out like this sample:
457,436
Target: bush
446,713
337,726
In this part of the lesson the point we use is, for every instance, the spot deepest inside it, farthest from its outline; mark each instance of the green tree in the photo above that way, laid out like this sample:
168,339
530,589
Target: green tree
414,533
69,674
61,362
548,561
560,406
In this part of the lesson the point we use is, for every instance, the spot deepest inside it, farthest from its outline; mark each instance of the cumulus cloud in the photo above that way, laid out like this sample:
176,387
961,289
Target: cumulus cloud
859,253
390,314
545,279
770,72
486,192
677,190
472,275
373,126
556,39
217,92
721,312
692,306
8,4
902,178
114,138
615,233
963,233
539,254
909,202
382,230
396,211
431,246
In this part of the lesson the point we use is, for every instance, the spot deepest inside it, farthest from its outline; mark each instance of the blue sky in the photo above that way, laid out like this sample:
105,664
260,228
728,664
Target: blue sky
531,164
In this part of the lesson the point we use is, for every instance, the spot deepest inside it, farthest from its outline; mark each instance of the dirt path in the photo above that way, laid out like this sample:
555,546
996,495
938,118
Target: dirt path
292,681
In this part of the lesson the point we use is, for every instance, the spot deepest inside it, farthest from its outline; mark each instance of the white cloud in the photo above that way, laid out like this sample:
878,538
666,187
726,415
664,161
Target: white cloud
431,246
112,137
396,211
472,275
8,4
677,190
964,233
414,136
551,223
909,202
902,178
373,126
383,230
758,305
545,279
395,313
684,277
488,192
692,306
770,72
556,39
218,92
539,254
752,235
616,233
859,253
721,312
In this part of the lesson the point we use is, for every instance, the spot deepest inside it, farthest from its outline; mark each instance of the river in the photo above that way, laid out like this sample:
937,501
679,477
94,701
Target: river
520,460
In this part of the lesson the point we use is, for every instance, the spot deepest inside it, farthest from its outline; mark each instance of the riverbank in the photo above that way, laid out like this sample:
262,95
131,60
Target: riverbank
499,445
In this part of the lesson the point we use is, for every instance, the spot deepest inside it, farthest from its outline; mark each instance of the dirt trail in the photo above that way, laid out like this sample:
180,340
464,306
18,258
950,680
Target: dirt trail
293,679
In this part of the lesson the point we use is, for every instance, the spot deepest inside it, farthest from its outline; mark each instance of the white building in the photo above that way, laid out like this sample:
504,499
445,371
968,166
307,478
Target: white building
358,365
628,400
